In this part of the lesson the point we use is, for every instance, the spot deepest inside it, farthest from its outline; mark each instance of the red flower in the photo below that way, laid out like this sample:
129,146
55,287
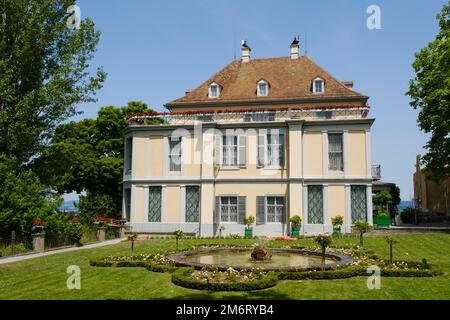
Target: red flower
103,219
38,222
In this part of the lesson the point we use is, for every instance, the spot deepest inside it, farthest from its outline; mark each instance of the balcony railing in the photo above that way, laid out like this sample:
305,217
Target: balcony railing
376,172
254,115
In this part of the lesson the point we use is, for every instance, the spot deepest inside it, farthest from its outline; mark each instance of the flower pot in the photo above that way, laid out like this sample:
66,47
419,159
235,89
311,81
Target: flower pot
248,232
337,230
295,232
382,221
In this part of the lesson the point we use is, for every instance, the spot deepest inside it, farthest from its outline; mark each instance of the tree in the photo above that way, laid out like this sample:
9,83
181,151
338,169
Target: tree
430,93
22,198
382,200
88,156
324,241
44,73
362,227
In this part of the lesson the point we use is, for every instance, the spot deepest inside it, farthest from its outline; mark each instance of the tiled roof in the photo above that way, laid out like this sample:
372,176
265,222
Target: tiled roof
289,79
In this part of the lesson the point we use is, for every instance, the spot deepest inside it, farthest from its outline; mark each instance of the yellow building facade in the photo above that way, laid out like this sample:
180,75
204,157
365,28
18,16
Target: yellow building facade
269,138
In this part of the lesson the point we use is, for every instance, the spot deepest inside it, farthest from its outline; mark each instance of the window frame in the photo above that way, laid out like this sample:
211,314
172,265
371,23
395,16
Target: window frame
226,154
341,134
275,205
258,88
160,206
281,150
210,91
229,205
171,155
314,87
198,187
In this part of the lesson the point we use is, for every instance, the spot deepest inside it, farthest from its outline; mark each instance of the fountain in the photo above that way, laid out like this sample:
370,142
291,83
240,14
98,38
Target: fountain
258,257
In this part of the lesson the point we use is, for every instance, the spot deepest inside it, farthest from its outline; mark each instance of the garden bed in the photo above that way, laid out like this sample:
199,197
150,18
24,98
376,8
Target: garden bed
152,262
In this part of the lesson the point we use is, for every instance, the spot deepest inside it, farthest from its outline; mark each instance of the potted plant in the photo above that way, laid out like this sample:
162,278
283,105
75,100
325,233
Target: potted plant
337,223
249,230
382,220
296,222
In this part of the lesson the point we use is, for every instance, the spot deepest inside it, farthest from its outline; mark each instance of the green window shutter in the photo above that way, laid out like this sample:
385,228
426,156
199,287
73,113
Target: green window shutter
260,210
154,204
262,149
282,151
241,209
192,206
358,202
283,217
315,204
217,211
242,150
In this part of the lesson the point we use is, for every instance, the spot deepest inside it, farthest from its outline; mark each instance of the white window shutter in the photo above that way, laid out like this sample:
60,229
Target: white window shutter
218,150
262,150
242,150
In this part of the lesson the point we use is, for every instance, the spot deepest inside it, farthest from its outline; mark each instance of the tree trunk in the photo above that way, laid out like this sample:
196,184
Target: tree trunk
323,258
361,244
177,244
390,253
132,248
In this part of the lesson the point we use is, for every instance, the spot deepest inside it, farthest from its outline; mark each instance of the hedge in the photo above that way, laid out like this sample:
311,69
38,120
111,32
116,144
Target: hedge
350,272
133,264
182,277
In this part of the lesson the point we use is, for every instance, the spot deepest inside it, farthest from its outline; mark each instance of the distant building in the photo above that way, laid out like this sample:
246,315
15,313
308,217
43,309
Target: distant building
429,195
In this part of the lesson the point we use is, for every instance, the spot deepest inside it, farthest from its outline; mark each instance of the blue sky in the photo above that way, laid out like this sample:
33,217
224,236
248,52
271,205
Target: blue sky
154,50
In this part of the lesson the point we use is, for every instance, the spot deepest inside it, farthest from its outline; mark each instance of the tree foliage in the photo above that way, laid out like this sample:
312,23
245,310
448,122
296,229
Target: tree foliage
88,156
22,198
44,73
430,93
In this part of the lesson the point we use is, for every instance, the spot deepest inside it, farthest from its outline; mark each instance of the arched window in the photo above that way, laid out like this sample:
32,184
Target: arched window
262,88
213,90
318,85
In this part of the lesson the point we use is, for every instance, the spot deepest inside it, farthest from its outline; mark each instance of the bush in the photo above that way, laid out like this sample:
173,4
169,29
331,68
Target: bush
296,220
75,233
183,278
337,221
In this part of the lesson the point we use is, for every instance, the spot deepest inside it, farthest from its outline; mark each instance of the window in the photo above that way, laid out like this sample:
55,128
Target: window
229,151
174,154
128,154
262,89
214,90
228,209
154,204
358,203
315,204
127,204
271,149
335,152
324,114
192,204
318,85
205,118
255,117
275,209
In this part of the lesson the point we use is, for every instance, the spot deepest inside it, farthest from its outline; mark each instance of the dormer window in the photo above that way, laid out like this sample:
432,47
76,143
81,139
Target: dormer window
262,88
318,85
214,90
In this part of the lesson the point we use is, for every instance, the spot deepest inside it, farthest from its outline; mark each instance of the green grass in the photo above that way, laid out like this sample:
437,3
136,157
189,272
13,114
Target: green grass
45,278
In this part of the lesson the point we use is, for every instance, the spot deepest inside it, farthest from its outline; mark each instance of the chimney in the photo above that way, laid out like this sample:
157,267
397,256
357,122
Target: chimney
348,84
295,48
245,51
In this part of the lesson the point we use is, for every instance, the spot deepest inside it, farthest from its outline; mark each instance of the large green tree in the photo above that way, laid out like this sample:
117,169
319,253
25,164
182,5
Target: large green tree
88,156
44,73
430,93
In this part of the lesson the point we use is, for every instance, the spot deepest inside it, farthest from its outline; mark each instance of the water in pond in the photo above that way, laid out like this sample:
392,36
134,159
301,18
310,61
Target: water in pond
242,258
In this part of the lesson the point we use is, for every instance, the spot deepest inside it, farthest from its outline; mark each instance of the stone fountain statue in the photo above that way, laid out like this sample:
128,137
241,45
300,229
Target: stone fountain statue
261,253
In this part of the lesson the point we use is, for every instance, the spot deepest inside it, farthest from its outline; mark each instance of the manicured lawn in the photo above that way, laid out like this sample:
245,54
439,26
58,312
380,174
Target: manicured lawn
45,278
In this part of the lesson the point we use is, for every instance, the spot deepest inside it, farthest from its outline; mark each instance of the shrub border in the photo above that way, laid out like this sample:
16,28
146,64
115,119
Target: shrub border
132,264
182,277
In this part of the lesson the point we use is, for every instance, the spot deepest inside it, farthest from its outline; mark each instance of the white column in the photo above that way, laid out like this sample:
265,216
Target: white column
325,153
368,154
303,153
369,205
132,205
305,206
133,158
183,204
325,208
348,209
345,146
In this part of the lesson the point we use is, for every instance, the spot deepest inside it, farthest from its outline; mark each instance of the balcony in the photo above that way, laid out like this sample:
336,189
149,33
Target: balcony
376,172
309,113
